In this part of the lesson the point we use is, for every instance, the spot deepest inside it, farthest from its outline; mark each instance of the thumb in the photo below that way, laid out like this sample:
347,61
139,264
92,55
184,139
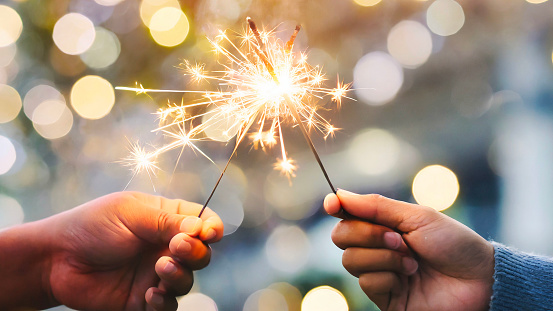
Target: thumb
158,226
402,216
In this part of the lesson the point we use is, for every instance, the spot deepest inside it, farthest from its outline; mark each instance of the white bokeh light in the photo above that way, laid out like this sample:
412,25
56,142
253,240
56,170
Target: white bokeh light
445,17
374,151
196,301
266,300
104,50
410,43
377,78
10,25
39,94
74,33
324,298
11,213
7,155
287,248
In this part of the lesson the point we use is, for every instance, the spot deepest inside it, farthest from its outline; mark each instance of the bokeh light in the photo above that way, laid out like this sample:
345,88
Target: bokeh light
445,17
7,155
61,118
10,103
410,43
324,298
223,128
48,112
196,301
108,2
291,293
149,7
287,248
266,300
39,94
169,26
367,2
11,212
435,186
104,50
7,54
10,26
536,1
92,97
374,151
377,78
74,33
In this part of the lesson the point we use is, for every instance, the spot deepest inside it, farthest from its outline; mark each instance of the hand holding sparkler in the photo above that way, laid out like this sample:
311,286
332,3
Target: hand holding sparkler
412,257
122,251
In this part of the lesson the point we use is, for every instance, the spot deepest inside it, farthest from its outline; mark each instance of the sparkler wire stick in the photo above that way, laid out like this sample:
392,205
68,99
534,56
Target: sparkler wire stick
263,80
262,55
309,142
238,140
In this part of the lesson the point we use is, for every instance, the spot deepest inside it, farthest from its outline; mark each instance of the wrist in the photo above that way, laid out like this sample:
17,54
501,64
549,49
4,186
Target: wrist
25,265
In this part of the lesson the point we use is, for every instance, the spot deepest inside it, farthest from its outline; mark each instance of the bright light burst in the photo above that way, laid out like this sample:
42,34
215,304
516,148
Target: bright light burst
261,84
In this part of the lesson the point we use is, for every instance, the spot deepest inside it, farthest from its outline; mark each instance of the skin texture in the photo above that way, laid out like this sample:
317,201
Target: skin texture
123,251
411,257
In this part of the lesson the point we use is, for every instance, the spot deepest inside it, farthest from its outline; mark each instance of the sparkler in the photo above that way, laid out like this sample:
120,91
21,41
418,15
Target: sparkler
262,83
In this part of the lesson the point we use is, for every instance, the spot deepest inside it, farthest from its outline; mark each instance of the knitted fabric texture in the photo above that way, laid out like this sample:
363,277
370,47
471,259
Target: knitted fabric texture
522,281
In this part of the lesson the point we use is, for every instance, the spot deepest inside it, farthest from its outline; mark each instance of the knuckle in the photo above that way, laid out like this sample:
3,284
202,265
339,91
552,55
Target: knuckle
336,235
162,221
374,198
205,260
120,198
366,283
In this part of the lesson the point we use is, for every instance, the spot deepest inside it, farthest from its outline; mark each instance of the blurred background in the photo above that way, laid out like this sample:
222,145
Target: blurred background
453,110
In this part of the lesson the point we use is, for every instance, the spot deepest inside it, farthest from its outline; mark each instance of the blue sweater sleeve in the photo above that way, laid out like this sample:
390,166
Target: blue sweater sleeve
521,281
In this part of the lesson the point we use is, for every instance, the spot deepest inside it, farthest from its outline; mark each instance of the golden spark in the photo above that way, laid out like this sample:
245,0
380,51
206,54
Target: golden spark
261,83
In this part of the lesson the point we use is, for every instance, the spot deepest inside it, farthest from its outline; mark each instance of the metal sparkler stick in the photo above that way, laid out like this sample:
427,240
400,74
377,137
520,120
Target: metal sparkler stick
260,51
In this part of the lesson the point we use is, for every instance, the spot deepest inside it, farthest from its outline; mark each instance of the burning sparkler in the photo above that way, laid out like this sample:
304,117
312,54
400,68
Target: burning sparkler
262,83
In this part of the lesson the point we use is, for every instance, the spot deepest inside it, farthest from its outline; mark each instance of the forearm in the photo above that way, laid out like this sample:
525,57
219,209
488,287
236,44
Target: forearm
522,281
24,266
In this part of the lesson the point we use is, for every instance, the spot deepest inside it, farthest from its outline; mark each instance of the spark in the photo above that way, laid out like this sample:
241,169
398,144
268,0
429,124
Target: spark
261,85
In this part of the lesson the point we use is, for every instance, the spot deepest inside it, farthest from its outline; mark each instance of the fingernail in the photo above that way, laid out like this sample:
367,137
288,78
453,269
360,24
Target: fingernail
170,267
184,247
156,299
410,265
342,191
325,202
190,224
392,240
210,234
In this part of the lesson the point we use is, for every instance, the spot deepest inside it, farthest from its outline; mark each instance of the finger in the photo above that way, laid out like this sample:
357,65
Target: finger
379,286
175,278
394,214
213,225
157,219
361,260
356,233
212,229
332,205
190,251
160,301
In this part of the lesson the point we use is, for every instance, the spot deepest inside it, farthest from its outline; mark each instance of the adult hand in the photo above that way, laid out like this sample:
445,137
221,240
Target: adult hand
124,251
411,257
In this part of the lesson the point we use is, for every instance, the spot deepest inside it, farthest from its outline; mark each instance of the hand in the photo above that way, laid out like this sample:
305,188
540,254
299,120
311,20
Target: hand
106,250
411,257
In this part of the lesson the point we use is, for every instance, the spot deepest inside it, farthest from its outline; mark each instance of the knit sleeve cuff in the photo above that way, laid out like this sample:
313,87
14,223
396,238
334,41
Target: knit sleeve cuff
521,281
